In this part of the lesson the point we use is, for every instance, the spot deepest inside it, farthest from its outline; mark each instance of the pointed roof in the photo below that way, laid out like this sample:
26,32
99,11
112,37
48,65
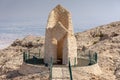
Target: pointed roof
60,8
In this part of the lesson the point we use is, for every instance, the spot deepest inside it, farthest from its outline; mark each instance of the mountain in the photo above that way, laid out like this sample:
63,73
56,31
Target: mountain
105,40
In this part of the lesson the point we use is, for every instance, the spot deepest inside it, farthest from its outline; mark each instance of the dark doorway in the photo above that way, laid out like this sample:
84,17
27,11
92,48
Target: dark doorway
60,51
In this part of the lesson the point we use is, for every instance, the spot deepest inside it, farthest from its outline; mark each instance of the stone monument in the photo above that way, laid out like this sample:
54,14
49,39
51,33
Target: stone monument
60,42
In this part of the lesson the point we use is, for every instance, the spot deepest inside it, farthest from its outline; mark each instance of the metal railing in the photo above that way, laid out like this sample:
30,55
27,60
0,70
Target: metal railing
70,70
51,65
32,58
93,58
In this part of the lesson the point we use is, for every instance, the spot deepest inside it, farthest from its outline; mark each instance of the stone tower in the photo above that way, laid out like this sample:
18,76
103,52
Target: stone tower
60,42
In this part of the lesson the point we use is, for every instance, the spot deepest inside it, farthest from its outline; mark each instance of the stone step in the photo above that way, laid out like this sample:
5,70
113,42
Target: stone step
61,73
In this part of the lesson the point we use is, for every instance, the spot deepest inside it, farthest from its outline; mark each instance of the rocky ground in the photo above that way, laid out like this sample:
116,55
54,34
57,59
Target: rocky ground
105,40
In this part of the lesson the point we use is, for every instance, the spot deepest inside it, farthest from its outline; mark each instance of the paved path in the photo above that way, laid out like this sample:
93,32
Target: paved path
61,73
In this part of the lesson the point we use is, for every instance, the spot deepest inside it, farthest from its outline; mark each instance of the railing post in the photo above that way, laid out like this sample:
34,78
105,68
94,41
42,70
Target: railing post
90,63
92,58
70,70
75,61
96,56
28,53
39,52
51,65
24,57
34,60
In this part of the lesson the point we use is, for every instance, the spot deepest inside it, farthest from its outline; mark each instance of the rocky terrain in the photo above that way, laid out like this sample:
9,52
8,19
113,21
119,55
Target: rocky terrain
105,40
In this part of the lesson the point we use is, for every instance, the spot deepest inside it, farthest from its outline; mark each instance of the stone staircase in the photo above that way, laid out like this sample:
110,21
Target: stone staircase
78,73
61,73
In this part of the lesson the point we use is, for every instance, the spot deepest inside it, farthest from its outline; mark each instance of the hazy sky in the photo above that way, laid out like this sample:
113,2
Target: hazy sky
85,13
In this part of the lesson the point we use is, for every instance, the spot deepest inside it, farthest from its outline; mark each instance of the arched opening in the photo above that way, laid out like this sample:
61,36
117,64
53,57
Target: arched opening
58,33
60,51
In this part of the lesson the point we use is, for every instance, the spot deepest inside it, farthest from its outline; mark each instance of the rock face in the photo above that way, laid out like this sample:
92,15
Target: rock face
60,43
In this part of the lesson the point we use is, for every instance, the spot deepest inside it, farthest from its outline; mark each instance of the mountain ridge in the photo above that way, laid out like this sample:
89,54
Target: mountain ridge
104,39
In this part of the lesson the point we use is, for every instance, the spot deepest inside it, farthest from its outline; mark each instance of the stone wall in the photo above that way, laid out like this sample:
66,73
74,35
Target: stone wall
60,43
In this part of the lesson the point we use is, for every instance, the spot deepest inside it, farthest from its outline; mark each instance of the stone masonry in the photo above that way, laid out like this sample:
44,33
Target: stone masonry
60,42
